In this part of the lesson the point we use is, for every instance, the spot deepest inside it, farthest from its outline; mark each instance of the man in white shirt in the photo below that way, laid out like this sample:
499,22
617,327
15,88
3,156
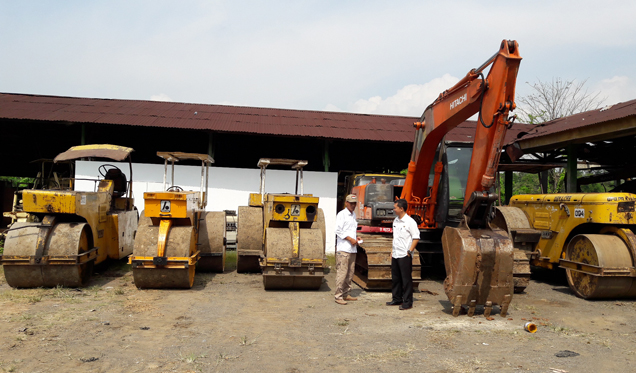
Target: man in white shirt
406,235
346,249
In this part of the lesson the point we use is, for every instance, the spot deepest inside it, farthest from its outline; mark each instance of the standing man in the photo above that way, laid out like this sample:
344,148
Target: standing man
406,235
346,249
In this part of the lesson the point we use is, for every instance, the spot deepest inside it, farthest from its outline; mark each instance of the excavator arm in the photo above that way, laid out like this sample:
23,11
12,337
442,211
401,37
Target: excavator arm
493,98
479,260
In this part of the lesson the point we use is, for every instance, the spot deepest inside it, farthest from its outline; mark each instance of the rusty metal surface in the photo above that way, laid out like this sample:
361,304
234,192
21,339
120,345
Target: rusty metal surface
234,119
177,156
114,152
479,268
292,278
164,278
373,262
578,121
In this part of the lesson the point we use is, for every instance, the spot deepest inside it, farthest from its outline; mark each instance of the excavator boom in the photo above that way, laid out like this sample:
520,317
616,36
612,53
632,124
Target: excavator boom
492,98
478,259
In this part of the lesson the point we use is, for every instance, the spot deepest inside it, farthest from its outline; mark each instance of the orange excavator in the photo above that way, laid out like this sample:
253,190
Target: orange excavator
479,259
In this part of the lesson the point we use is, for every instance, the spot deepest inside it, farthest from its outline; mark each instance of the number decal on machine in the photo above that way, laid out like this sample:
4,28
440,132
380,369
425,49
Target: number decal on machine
579,213
295,210
165,206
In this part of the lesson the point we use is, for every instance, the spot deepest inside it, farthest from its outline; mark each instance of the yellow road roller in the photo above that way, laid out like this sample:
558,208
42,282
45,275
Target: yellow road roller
282,235
590,235
73,229
176,233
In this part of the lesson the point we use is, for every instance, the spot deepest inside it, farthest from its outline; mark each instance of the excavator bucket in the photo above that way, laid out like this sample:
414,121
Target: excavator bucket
48,255
479,268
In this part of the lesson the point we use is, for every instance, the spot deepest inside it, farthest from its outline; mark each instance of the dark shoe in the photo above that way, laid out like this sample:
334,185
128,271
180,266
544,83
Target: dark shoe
405,307
393,303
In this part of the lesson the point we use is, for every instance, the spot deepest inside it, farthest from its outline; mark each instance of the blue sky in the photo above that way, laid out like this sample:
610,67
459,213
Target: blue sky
380,57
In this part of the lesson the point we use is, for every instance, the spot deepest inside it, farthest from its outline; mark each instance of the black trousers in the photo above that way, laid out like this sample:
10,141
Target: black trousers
401,280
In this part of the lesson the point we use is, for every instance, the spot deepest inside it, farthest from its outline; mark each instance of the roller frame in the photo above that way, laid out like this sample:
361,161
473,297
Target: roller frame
50,259
183,262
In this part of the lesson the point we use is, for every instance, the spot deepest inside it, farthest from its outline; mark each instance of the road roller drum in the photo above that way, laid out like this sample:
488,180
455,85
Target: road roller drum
249,239
212,242
178,274
604,251
60,261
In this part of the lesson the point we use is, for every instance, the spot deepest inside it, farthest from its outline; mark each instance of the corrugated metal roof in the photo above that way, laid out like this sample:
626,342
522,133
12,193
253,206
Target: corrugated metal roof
585,119
223,118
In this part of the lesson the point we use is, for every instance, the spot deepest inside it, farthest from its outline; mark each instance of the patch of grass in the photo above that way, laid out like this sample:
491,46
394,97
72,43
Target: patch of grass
246,342
442,339
331,261
190,358
119,291
221,357
230,261
342,323
34,299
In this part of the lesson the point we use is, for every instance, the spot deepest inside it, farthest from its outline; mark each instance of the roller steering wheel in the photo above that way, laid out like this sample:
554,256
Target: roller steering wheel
174,188
103,171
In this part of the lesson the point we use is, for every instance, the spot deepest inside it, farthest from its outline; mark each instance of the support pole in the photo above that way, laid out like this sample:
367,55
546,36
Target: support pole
325,160
543,179
508,186
211,144
570,176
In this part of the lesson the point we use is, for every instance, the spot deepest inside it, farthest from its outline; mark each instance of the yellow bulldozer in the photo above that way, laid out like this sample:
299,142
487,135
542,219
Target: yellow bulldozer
176,234
73,230
591,236
282,235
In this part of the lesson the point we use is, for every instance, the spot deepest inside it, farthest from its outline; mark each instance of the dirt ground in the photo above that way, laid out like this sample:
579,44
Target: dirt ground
227,322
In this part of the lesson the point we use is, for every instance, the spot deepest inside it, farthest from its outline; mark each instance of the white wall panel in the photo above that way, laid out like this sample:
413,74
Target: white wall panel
228,188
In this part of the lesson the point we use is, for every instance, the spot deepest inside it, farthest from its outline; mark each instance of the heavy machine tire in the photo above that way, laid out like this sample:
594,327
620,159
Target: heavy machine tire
65,239
249,245
212,242
606,251
180,244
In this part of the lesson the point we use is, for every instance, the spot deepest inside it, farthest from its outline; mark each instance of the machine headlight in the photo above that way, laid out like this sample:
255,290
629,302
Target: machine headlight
381,212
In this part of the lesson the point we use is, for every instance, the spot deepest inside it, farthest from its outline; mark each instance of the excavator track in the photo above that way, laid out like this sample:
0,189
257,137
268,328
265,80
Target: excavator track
373,262
65,256
174,274
212,242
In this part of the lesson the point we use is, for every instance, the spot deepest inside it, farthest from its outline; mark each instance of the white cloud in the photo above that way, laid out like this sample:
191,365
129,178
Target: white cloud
410,100
617,89
160,97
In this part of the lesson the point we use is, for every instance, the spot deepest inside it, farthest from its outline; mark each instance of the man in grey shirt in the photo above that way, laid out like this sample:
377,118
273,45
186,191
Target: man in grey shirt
406,235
